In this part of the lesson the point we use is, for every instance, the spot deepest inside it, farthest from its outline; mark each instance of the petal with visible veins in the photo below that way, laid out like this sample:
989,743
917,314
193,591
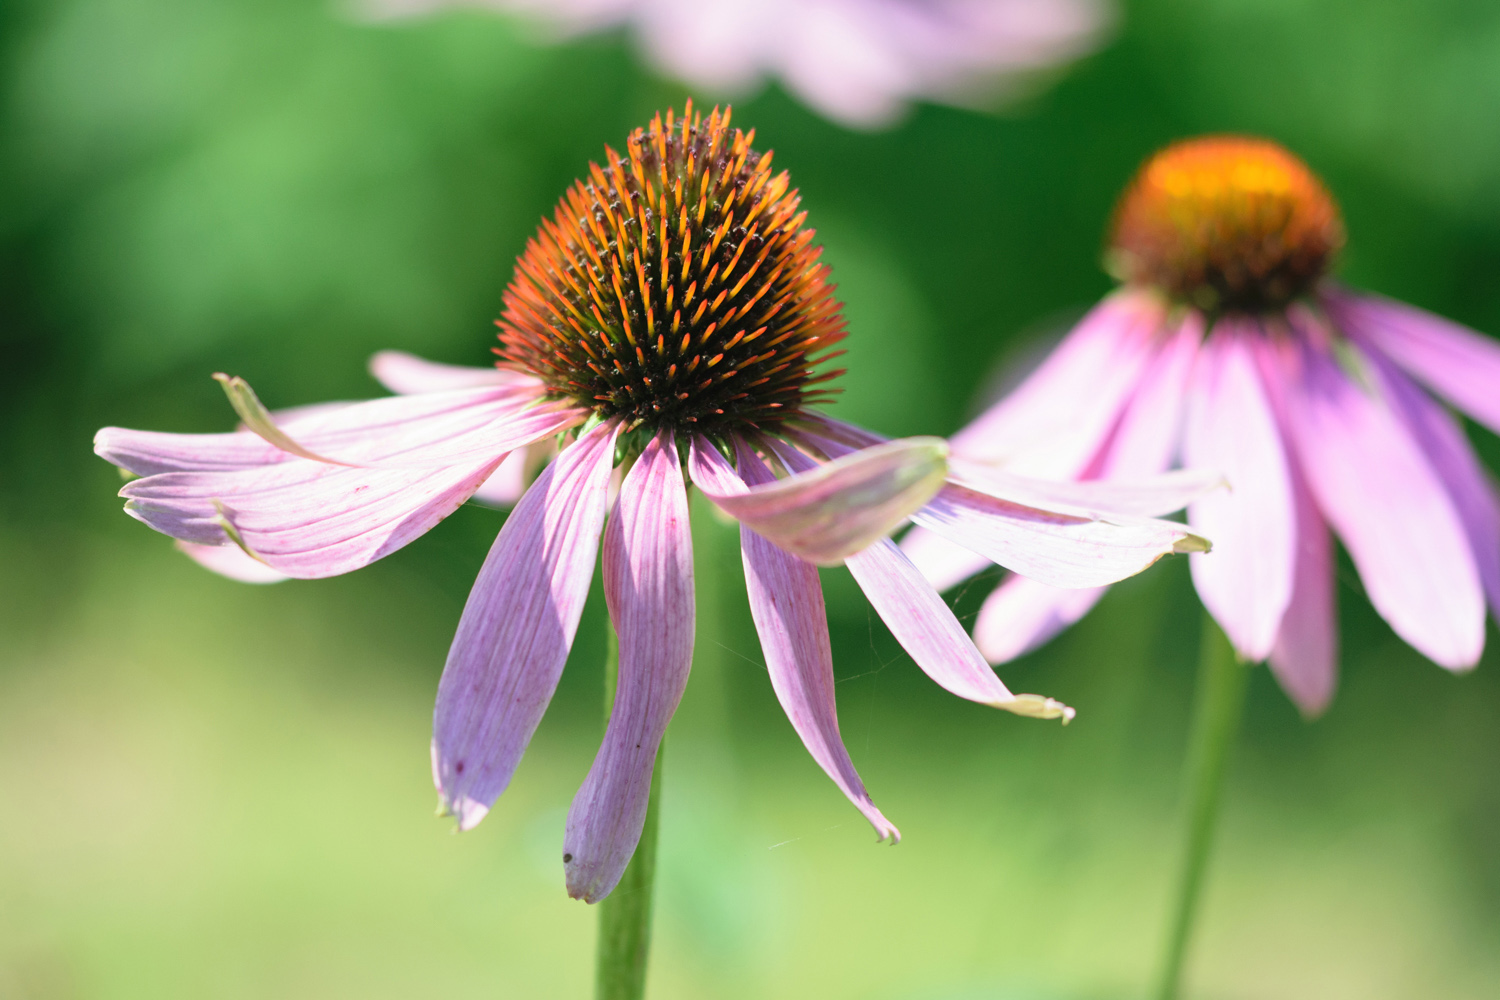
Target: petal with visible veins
648,583
835,510
786,602
517,628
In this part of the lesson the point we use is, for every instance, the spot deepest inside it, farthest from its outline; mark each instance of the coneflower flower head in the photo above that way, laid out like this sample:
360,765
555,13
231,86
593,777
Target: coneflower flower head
1231,349
677,286
1226,224
664,329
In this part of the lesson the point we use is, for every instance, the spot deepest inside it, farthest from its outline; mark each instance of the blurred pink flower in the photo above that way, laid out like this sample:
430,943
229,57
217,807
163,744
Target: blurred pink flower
685,346
1229,349
857,61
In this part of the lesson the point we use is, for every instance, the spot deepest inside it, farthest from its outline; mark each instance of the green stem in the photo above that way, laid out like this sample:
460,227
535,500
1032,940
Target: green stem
625,914
1219,703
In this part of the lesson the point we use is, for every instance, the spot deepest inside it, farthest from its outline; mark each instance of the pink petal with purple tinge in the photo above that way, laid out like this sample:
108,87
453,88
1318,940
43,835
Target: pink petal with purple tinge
942,563
1054,547
406,374
786,602
506,483
1304,657
929,633
1442,440
1457,362
426,431
648,582
1143,496
1246,581
1055,421
1393,513
1021,614
923,624
304,518
835,510
230,560
517,628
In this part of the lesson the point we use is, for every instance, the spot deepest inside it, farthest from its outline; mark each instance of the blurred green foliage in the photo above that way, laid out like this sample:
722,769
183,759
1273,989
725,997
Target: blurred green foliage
214,790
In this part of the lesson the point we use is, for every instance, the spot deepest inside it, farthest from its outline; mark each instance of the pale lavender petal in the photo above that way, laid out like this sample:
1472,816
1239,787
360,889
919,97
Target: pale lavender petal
648,582
1055,421
303,518
506,483
1460,364
1061,549
1304,657
406,373
1022,614
835,509
433,429
924,625
231,561
1442,440
927,630
517,628
1246,581
944,564
1146,439
786,602
1392,511
1146,496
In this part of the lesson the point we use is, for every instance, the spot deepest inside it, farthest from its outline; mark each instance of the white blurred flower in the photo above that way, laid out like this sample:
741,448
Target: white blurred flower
857,61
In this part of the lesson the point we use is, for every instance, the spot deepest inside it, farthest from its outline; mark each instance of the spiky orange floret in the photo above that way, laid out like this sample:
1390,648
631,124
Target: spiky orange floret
677,286
1226,222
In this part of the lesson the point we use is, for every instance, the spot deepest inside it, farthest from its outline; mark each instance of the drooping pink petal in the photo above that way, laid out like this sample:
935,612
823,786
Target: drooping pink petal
1304,657
1055,421
517,628
1146,439
304,518
648,582
927,630
924,624
786,602
1442,440
1394,515
942,563
506,483
1460,364
1246,581
1054,547
406,374
1022,614
426,431
1145,496
836,509
230,560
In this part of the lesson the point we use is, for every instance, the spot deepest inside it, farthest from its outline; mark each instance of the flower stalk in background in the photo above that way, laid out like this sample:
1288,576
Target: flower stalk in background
858,62
1230,348
668,326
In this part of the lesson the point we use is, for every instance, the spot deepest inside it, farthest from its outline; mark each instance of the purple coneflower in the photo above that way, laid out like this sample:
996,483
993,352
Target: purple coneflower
669,323
857,61
1230,348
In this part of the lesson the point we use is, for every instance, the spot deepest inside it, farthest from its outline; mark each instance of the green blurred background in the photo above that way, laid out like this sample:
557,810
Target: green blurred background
215,790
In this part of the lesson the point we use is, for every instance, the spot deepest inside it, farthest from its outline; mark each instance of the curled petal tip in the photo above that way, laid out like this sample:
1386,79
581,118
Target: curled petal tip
1192,543
257,418
1036,706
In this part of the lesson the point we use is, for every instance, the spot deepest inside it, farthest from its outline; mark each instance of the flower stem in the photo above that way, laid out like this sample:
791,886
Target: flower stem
1219,704
625,914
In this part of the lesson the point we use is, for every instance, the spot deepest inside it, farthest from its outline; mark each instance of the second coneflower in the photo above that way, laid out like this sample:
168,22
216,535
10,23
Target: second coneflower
669,322
1230,348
